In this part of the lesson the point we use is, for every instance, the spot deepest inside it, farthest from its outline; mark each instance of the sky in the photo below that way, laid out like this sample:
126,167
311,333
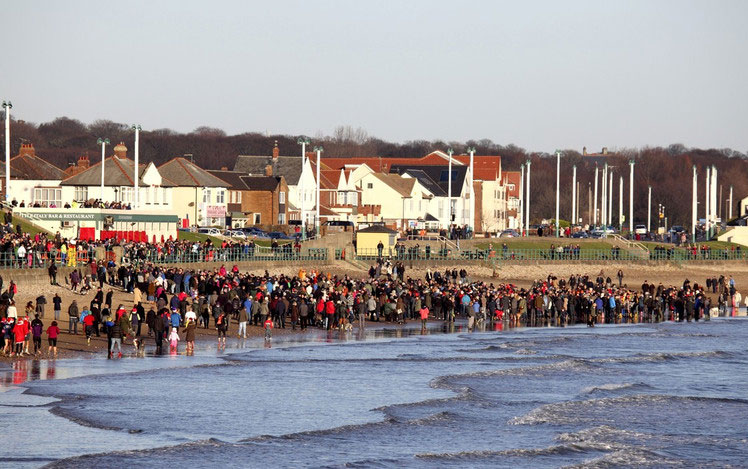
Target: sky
538,74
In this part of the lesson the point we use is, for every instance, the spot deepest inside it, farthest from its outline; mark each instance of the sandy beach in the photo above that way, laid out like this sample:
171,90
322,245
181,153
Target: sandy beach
72,345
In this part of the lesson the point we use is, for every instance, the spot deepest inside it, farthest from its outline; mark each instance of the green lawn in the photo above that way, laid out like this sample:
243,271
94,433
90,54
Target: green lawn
189,236
200,238
712,244
545,243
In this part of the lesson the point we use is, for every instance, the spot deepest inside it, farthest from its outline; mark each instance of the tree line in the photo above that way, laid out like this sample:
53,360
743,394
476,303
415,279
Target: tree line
668,170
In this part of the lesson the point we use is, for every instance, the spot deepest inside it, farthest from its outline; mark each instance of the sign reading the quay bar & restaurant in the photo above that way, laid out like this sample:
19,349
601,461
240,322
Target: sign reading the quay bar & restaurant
110,217
215,211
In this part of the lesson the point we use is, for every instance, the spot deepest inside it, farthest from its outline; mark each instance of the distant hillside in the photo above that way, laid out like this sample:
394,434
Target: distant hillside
667,170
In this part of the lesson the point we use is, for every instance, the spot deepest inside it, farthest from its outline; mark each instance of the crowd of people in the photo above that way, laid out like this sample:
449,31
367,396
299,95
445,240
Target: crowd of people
171,303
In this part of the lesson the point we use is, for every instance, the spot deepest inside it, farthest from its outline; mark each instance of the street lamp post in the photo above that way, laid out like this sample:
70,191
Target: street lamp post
471,222
136,169
103,142
7,106
594,211
603,198
521,207
609,218
694,205
649,210
574,195
558,186
631,195
303,141
450,217
707,224
620,204
319,150
528,163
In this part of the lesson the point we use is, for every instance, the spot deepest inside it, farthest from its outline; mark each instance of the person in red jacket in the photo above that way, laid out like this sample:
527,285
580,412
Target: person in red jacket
88,322
52,332
330,313
19,333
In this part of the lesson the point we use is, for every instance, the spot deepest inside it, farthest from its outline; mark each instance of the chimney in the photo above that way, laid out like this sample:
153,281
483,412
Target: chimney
27,149
584,151
269,170
120,151
83,162
605,151
276,151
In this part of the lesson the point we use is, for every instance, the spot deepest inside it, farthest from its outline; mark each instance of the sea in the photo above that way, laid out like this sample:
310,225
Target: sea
647,395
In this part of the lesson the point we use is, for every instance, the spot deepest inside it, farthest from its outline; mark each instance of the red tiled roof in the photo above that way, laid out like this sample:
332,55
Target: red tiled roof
487,168
512,177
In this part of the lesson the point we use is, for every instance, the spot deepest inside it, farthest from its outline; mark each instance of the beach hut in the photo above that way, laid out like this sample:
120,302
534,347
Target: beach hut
367,240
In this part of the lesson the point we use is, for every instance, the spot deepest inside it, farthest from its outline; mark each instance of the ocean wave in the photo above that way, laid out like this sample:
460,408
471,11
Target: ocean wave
611,387
579,411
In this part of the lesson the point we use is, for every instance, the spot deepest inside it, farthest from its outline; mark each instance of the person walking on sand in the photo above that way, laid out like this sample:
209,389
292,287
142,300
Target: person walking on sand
52,332
57,302
115,330
222,325
173,340
268,325
189,337
37,327
620,278
73,315
424,313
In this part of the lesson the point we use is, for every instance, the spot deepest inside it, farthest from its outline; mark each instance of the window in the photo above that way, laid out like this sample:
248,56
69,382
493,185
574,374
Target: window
48,196
126,194
165,197
441,209
282,198
370,185
281,218
353,198
257,219
81,194
206,196
148,195
220,196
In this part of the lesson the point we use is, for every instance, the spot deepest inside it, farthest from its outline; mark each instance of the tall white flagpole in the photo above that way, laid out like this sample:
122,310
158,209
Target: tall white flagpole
7,106
594,210
631,196
574,195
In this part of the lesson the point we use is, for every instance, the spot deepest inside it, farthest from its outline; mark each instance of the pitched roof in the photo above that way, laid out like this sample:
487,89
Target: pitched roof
260,183
486,168
25,166
118,171
436,178
512,177
185,173
287,166
384,164
404,186
232,178
377,229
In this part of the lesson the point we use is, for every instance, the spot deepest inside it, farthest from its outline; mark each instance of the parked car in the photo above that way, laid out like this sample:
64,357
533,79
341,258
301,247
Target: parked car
509,234
254,232
580,235
209,231
640,229
235,234
278,235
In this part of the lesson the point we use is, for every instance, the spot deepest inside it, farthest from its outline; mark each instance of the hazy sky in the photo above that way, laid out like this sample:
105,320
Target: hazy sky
539,74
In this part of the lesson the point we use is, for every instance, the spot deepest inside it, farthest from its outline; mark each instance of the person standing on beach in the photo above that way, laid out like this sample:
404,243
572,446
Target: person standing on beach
37,328
158,330
222,325
52,332
424,313
268,325
190,336
73,315
52,271
173,340
57,302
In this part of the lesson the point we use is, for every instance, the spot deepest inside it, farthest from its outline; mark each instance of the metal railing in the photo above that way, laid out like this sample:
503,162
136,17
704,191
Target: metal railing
551,255
40,259
240,254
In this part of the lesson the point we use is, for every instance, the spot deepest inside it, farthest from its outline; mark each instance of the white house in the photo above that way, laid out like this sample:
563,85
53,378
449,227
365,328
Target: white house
155,192
33,181
197,196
